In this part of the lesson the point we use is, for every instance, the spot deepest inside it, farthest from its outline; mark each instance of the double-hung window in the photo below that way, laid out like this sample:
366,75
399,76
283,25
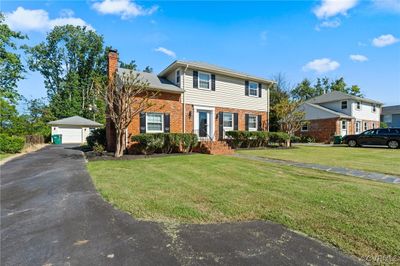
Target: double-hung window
204,80
252,123
374,108
358,105
304,127
178,77
253,89
228,121
358,126
365,126
154,122
344,104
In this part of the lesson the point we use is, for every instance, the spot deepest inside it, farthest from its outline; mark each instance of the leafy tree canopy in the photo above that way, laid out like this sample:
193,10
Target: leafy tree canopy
306,90
70,59
11,67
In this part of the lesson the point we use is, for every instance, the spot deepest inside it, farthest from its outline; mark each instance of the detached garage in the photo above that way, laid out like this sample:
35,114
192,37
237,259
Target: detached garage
73,129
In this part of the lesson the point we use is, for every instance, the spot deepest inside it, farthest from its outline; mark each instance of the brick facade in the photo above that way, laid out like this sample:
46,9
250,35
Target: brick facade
323,130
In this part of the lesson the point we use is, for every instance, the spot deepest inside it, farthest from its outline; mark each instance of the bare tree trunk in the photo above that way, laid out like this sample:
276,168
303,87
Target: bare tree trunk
118,145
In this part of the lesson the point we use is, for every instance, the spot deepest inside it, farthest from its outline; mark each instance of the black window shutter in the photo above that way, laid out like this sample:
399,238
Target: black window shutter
259,121
246,122
235,121
166,123
195,79
259,90
246,88
221,125
143,122
212,82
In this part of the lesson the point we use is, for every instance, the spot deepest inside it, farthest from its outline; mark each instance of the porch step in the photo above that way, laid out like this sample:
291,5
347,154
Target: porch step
215,148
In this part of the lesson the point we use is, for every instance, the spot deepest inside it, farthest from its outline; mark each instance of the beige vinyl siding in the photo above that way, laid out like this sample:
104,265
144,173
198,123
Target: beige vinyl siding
229,93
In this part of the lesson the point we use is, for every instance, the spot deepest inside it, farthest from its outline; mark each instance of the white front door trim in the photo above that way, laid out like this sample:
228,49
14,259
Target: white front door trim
211,124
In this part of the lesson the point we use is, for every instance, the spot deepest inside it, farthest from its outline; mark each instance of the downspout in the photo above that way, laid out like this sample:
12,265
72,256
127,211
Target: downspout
268,108
183,99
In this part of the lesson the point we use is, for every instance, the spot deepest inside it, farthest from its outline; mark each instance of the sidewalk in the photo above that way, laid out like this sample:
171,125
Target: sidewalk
338,170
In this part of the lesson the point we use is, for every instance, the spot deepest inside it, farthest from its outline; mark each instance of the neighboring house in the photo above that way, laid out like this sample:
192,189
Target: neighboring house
391,115
199,98
338,113
73,129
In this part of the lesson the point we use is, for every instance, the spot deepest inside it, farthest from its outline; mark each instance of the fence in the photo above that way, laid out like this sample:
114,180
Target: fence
34,139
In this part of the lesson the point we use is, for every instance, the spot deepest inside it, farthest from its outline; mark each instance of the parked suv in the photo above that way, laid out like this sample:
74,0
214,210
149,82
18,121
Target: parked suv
379,136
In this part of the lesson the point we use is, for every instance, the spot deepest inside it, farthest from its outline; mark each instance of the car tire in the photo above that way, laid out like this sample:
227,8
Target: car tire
352,143
393,144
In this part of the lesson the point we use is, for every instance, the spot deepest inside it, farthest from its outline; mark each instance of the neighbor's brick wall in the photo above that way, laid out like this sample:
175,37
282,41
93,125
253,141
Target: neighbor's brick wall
322,129
241,118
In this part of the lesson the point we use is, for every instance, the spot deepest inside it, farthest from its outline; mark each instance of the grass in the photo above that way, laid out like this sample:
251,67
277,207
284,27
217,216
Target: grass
359,216
4,155
369,159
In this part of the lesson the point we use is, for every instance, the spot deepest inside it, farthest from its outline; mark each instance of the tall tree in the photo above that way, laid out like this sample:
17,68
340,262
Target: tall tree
126,95
131,65
291,118
70,60
279,91
11,67
148,69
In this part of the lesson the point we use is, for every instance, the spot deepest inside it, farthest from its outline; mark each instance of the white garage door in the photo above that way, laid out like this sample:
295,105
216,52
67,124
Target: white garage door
70,135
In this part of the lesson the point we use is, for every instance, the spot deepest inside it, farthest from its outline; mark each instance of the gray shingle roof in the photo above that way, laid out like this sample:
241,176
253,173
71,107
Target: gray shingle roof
155,82
212,68
338,96
394,109
75,121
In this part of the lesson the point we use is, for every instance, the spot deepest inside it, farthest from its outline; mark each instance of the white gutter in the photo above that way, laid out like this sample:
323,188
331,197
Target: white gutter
268,108
183,99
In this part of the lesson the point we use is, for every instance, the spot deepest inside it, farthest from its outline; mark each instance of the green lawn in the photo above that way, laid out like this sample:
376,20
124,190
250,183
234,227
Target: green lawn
359,216
4,155
369,159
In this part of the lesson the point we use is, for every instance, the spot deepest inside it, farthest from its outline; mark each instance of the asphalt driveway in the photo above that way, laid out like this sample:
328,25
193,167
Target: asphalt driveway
51,214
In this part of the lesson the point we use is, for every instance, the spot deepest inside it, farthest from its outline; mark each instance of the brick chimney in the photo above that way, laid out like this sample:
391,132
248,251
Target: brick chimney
112,62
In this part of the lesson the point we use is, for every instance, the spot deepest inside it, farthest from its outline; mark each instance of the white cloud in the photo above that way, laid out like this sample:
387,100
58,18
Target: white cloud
331,8
165,51
321,65
358,58
361,44
124,8
334,23
390,5
384,40
38,20
263,37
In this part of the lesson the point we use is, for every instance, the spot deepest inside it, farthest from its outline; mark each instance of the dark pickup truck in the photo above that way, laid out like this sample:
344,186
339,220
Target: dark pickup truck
380,136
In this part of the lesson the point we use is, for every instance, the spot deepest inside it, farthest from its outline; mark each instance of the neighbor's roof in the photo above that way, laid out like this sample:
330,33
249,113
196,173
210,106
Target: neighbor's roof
154,81
212,68
75,121
324,109
338,96
388,110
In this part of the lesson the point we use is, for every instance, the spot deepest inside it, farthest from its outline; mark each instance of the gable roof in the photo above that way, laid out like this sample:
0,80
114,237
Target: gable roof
327,110
338,96
154,81
75,121
213,68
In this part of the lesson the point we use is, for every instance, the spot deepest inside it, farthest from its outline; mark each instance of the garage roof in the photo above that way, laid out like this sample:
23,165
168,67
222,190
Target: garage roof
75,121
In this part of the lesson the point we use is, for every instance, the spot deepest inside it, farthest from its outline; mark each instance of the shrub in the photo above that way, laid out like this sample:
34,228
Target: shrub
98,136
295,139
11,144
247,139
307,139
98,149
164,142
278,137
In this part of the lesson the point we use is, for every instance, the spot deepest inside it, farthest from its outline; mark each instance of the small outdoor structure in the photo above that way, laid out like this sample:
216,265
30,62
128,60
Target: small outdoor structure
73,129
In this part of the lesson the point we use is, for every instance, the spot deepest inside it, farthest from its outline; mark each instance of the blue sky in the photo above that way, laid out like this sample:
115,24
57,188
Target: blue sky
358,40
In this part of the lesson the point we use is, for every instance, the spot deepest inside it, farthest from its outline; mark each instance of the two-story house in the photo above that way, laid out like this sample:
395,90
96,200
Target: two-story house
338,113
199,98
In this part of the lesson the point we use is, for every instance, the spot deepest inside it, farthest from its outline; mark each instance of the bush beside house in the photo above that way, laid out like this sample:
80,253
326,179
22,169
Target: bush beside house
164,143
249,139
11,144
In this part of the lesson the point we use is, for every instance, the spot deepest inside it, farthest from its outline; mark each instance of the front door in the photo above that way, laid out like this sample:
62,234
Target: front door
343,126
203,124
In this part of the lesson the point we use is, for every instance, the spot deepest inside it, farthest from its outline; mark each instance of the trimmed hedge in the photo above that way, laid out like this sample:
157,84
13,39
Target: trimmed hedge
11,144
164,142
98,136
247,139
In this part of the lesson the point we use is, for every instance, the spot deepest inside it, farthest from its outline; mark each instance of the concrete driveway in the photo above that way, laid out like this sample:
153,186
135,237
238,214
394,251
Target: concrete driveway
52,215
